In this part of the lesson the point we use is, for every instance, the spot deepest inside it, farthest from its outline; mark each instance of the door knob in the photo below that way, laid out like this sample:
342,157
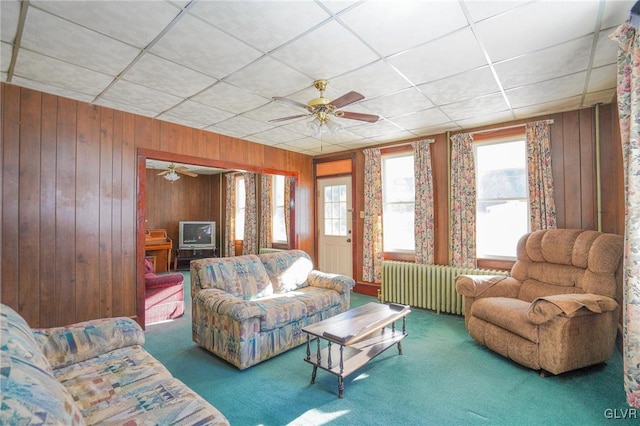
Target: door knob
348,240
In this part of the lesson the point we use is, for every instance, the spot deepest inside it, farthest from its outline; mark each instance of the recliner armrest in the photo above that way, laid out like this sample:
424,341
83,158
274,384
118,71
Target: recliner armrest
223,303
545,308
487,286
339,283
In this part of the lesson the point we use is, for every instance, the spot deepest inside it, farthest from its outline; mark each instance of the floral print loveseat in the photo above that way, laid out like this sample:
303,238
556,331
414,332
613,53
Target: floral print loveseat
94,372
247,309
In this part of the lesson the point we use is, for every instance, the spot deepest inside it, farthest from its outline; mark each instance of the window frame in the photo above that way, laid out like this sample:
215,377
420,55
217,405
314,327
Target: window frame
238,179
513,135
274,207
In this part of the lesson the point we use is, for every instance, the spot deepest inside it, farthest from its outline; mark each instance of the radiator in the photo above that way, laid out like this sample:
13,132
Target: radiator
426,286
264,250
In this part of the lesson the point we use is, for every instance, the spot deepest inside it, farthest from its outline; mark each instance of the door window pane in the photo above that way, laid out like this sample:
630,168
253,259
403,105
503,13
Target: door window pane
335,210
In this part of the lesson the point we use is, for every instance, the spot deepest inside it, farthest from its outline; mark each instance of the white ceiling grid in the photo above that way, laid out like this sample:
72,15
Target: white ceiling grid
424,66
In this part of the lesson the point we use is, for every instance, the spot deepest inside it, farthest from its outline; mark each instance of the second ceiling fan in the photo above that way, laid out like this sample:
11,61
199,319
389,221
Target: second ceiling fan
323,108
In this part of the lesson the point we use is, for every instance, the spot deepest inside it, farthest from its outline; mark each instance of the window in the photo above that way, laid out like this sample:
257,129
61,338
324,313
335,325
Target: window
335,210
240,207
278,226
502,206
398,201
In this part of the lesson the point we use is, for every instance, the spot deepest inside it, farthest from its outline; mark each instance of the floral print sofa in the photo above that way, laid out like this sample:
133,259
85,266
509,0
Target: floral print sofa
94,372
247,309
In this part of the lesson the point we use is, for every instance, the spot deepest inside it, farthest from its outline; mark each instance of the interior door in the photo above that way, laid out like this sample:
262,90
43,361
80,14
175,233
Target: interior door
335,254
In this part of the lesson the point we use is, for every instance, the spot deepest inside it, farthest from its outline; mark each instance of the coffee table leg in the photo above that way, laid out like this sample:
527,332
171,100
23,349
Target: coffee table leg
313,374
340,387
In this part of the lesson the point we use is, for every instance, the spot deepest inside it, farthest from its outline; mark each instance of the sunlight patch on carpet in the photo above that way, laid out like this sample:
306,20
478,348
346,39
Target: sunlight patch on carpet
318,417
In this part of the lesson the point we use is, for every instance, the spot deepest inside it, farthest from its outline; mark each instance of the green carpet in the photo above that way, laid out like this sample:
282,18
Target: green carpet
443,378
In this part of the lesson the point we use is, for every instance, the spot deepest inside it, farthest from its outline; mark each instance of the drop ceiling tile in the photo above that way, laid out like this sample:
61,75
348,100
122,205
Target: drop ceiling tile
510,34
243,125
563,59
476,107
603,97
226,132
277,135
403,25
48,88
371,130
606,50
9,16
47,70
4,76
6,50
470,84
326,52
616,12
138,21
47,34
135,109
547,91
273,110
143,97
246,20
403,134
434,130
336,6
199,113
161,74
202,47
436,60
558,105
230,98
480,10
418,120
399,103
371,81
341,137
303,144
603,78
485,120
185,121
259,77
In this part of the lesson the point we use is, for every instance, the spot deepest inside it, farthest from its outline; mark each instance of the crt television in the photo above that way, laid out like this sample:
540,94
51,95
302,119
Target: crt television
197,235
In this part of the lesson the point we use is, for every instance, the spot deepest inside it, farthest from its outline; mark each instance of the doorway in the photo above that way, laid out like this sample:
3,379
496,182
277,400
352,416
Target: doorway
335,221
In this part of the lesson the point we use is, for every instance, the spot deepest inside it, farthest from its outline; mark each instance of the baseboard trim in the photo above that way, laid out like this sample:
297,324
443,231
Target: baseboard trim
369,289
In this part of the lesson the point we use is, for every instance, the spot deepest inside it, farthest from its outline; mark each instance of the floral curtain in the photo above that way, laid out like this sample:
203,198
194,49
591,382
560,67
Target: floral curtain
250,242
629,112
542,208
230,215
266,223
288,183
372,245
463,202
424,219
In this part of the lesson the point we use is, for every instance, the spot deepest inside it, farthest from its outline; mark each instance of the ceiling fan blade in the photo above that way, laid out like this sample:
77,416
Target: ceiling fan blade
184,172
291,117
291,102
362,117
346,99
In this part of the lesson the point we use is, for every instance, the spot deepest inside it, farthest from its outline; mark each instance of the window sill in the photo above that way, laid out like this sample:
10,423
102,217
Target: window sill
501,264
401,256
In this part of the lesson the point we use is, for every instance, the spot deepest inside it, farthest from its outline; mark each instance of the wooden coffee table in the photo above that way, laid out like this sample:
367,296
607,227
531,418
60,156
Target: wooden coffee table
355,337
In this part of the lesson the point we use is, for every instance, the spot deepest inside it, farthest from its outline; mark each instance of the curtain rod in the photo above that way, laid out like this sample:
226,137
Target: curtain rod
432,140
507,127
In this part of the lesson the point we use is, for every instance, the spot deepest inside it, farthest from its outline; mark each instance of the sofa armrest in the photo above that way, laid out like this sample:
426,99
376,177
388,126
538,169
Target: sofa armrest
545,308
223,303
84,340
337,282
487,286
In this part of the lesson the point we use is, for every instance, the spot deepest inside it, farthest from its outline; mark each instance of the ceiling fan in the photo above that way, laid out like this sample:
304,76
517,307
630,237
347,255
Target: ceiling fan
322,108
172,172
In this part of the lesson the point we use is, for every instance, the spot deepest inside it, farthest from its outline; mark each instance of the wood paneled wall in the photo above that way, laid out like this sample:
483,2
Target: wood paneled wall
68,247
185,199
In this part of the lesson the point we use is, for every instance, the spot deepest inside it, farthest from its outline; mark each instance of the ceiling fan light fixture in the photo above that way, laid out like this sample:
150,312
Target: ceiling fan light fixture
333,126
172,176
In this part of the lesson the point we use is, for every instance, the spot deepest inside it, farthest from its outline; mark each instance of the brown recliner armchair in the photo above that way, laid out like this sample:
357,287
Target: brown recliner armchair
559,309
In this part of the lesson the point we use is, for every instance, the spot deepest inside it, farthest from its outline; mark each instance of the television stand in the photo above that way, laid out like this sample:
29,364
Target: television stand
187,255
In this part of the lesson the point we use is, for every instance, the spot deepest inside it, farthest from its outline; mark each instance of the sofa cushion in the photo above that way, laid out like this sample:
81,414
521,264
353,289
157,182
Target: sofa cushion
30,392
287,269
129,386
241,276
507,313
317,299
280,310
